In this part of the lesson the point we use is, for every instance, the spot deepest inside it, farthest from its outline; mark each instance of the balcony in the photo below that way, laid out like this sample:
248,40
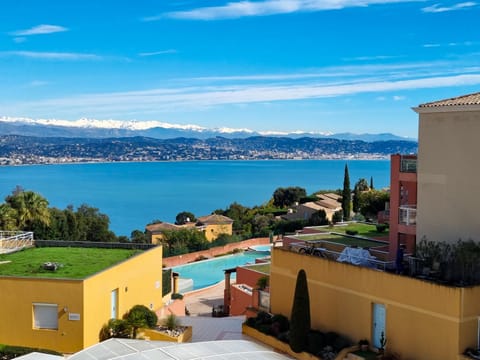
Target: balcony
408,164
407,215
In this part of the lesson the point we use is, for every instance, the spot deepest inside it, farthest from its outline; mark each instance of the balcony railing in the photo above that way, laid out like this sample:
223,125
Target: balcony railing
13,240
407,215
408,165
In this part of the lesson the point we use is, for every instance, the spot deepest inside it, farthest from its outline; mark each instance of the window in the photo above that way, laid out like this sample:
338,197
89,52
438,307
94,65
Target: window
45,316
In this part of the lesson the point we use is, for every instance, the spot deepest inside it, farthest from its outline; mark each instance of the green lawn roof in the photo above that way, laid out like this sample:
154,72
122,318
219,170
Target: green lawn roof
344,240
74,262
263,268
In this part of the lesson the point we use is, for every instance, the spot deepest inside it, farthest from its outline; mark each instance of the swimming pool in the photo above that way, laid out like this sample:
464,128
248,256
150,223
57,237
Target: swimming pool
262,248
209,272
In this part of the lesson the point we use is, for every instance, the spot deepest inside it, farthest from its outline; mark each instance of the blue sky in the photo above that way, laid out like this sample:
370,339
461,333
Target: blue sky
283,65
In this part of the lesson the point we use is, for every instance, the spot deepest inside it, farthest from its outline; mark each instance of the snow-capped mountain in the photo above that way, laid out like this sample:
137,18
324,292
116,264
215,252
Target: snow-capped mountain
94,128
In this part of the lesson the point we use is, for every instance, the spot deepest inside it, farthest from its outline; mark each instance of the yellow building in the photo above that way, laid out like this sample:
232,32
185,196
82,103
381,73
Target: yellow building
65,314
421,319
211,225
215,225
447,171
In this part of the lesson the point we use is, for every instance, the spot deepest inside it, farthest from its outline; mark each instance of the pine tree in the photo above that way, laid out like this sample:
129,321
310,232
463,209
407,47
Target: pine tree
300,316
346,195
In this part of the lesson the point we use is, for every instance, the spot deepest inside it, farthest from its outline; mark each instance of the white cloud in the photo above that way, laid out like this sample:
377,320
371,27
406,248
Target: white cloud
20,39
36,83
238,9
161,52
398,98
39,30
438,8
50,55
197,98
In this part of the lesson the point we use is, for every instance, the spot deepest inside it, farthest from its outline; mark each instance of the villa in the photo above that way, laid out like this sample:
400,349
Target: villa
211,225
58,298
434,197
329,202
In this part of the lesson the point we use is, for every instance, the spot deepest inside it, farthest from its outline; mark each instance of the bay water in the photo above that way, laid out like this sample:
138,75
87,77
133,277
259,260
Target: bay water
134,194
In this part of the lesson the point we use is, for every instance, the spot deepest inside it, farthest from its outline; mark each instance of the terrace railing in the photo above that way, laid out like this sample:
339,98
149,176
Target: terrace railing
334,255
408,164
12,240
407,215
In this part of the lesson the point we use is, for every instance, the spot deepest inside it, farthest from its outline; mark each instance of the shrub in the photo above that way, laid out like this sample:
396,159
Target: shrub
171,322
351,232
341,342
262,282
115,328
140,316
381,227
330,338
176,296
10,352
300,318
316,342
282,321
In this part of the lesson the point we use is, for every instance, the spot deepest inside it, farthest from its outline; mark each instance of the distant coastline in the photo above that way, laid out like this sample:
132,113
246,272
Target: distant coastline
25,150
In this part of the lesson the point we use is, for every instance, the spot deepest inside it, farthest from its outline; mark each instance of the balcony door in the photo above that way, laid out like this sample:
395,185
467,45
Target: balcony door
378,325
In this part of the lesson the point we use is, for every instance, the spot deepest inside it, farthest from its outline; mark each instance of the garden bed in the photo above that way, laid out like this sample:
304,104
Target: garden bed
180,334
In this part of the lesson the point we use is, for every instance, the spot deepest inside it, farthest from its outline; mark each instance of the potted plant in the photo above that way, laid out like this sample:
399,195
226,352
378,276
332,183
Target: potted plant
381,349
363,344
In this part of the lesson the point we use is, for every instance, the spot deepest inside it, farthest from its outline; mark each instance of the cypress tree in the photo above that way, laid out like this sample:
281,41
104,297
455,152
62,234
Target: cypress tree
371,182
300,316
346,196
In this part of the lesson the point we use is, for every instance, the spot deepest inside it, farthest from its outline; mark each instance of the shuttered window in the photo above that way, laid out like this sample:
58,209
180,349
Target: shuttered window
45,316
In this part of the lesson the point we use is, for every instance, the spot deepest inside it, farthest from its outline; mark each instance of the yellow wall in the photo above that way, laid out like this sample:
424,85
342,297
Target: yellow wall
447,174
213,231
17,296
423,320
138,280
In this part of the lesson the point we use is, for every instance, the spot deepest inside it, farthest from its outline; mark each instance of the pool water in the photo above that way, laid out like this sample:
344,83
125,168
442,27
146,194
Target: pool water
209,272
262,248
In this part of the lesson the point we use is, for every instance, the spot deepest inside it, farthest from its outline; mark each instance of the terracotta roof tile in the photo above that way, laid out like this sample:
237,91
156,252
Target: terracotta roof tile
470,99
214,219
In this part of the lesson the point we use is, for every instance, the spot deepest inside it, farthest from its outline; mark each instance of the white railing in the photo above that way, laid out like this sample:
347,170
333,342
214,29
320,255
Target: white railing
11,240
407,215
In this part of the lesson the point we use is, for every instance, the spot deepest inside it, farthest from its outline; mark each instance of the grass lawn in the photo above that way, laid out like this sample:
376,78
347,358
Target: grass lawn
347,241
76,263
366,230
263,268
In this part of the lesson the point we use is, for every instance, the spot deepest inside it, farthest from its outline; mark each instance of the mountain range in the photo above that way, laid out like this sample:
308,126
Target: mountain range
97,129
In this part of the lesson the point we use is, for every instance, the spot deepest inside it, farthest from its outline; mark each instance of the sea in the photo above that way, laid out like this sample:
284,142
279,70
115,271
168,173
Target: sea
134,194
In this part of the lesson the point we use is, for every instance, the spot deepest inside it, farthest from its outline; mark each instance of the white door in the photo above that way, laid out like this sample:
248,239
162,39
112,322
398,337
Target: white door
378,325
114,304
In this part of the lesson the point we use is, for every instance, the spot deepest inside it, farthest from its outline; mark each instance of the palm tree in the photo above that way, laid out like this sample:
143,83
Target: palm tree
30,207
8,217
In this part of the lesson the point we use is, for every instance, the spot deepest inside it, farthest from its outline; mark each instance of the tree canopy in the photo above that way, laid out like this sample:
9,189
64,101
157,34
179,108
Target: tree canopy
184,217
284,197
346,195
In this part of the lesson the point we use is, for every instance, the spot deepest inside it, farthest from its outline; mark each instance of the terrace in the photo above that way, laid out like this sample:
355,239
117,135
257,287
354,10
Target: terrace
61,262
359,249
